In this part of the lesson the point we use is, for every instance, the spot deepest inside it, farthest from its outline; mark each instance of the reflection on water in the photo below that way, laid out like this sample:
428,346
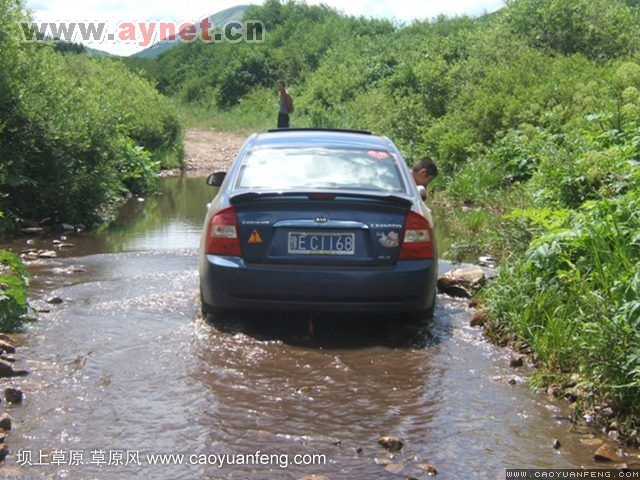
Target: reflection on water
126,368
170,221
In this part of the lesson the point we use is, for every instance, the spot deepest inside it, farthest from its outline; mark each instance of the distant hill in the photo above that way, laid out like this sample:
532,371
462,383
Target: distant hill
92,52
77,48
217,20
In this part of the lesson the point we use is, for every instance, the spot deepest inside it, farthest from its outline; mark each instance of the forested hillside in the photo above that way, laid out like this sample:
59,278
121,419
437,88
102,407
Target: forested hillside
533,115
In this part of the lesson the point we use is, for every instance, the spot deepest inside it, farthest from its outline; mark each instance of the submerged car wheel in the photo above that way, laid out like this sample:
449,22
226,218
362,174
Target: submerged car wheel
205,309
425,315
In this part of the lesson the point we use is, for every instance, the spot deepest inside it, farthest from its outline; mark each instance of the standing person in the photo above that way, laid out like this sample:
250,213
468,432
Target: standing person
423,171
286,106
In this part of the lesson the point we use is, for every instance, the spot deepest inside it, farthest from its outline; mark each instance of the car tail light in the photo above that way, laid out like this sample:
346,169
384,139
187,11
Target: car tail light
418,238
222,234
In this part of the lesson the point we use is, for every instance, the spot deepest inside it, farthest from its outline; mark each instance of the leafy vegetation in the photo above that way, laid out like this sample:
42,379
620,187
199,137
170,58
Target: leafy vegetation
577,297
14,281
533,115
77,133
76,136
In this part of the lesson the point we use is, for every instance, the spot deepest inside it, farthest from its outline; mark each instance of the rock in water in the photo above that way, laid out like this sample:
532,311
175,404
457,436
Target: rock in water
393,444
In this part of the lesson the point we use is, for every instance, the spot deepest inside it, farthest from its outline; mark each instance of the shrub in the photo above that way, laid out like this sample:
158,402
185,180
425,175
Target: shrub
574,299
13,292
79,133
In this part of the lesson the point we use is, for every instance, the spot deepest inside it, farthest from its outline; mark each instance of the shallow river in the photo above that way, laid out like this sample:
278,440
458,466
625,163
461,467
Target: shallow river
125,369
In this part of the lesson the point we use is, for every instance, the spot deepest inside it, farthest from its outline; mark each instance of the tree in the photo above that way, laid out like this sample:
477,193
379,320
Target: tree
76,133
249,69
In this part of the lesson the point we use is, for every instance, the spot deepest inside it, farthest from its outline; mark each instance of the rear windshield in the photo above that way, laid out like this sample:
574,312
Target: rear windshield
316,167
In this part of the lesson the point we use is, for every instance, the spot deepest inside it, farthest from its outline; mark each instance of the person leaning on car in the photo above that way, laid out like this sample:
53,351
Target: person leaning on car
285,106
423,171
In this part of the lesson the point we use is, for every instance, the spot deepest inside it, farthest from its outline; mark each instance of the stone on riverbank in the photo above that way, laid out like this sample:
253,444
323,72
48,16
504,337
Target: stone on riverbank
479,318
608,453
461,282
4,451
7,347
7,370
13,395
5,422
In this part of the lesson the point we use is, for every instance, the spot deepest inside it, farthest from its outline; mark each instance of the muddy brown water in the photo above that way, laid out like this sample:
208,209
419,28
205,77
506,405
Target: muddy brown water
125,369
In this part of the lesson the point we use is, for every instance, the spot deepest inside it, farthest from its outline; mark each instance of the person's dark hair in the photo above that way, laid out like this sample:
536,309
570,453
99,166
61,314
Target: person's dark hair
428,164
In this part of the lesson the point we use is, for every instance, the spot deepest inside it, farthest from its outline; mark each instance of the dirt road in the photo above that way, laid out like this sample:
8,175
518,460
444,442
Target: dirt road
207,151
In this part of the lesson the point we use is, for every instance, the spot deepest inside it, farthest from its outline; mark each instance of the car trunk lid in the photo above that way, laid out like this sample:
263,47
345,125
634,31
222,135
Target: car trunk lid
321,228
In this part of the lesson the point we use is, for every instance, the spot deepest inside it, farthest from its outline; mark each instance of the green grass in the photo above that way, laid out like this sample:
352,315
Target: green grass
257,112
575,299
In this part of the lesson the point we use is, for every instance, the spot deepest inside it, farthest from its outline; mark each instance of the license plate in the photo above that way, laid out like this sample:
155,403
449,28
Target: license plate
334,243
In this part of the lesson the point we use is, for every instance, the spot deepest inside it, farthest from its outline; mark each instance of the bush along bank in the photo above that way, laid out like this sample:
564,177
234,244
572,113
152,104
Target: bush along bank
573,302
77,134
71,160
14,284
590,411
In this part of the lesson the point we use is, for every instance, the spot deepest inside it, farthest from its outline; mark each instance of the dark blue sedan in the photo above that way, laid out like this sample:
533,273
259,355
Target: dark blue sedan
318,221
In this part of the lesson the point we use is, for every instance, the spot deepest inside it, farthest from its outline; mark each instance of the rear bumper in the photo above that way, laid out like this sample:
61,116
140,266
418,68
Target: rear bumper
229,283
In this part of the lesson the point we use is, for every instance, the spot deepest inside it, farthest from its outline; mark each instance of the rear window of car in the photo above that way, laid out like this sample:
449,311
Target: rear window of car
316,167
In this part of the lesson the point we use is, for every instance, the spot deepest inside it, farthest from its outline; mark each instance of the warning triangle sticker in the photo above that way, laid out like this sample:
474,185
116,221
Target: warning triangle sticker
255,237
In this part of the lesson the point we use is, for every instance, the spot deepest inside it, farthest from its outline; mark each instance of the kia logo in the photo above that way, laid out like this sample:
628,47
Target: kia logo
322,219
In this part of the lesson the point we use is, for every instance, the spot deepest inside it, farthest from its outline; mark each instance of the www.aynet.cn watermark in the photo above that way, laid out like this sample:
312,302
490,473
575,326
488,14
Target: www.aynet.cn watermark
145,33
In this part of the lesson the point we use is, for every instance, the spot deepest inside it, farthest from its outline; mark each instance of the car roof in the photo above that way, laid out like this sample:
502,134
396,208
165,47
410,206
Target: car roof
320,137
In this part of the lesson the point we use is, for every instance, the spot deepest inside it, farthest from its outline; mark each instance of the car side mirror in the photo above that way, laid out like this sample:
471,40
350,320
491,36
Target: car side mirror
422,191
216,179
